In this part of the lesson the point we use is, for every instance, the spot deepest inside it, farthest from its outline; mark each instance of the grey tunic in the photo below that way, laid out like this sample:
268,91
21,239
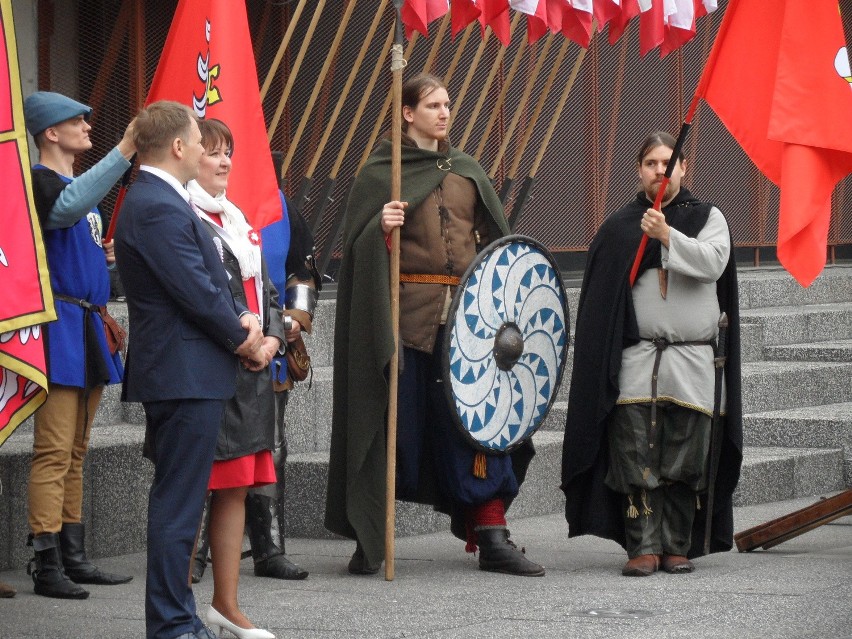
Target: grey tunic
690,312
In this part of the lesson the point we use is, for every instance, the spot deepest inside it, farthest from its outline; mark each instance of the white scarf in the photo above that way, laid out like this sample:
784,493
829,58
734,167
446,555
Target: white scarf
236,229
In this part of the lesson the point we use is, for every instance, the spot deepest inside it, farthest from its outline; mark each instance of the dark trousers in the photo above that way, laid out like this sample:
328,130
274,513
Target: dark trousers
660,477
182,437
431,449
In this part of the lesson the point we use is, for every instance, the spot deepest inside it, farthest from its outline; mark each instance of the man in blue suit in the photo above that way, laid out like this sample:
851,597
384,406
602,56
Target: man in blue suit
185,330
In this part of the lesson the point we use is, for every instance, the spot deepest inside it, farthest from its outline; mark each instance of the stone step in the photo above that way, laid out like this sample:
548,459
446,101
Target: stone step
773,474
828,426
766,386
773,286
118,478
799,324
773,385
836,350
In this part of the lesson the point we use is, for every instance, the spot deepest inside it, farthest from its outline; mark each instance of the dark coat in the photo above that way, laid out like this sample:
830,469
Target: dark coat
606,324
184,322
364,341
249,422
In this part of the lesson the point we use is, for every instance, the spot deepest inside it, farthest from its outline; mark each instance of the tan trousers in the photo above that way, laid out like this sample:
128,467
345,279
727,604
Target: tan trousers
59,446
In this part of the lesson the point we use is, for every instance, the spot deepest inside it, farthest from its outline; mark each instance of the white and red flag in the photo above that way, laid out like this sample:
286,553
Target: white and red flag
667,24
536,12
778,77
27,300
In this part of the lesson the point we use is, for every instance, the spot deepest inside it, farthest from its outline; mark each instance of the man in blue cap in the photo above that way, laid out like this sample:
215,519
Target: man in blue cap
80,361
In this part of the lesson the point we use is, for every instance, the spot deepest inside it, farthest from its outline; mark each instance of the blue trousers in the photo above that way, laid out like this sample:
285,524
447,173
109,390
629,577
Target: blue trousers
182,437
431,448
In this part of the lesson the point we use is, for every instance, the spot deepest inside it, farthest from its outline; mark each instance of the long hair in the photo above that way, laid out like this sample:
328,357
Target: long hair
416,88
655,139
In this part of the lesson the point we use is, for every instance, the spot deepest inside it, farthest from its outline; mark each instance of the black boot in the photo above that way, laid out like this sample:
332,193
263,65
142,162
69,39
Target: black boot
359,565
202,551
47,572
269,559
77,566
497,553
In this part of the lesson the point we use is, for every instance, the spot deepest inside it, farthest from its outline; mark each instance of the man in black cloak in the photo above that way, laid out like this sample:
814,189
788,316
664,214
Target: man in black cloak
641,405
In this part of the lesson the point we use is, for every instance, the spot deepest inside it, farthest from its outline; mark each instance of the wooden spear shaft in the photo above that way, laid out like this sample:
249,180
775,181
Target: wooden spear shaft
458,54
495,67
282,48
563,98
318,83
539,107
362,105
397,64
519,109
362,53
501,98
471,71
380,119
325,194
528,182
291,78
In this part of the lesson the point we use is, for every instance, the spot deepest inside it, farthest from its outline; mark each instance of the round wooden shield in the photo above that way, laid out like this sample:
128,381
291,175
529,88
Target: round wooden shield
506,343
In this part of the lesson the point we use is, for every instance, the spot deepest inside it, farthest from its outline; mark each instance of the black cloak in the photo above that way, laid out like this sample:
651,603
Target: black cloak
606,324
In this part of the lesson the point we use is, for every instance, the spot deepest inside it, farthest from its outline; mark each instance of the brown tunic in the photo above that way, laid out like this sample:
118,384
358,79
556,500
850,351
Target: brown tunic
438,238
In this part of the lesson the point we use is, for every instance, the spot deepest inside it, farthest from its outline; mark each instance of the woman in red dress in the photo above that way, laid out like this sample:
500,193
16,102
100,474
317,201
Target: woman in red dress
246,437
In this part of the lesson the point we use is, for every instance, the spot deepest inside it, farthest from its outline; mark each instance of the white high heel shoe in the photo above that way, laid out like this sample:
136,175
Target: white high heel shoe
217,622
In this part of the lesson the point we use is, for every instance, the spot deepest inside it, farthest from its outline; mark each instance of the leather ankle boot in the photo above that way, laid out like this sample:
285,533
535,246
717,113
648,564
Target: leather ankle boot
77,566
497,553
47,572
269,559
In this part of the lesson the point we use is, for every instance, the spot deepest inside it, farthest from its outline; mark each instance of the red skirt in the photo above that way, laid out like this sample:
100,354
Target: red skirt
253,470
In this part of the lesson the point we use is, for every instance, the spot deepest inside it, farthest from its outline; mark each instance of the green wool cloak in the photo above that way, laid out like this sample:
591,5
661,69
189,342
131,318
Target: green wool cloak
363,339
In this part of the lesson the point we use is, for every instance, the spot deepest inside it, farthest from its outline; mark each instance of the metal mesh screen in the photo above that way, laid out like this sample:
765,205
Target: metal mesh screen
105,53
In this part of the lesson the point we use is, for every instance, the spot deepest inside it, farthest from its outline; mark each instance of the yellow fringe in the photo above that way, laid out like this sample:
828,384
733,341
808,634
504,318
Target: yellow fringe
646,509
479,466
632,511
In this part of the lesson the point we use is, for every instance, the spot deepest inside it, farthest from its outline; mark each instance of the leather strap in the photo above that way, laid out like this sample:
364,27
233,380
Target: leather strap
425,278
662,344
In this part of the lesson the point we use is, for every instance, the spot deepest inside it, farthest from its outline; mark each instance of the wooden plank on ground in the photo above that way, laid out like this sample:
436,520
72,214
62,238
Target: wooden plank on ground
792,525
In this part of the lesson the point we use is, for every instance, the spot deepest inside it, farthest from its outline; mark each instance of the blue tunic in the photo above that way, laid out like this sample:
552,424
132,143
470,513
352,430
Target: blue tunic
78,269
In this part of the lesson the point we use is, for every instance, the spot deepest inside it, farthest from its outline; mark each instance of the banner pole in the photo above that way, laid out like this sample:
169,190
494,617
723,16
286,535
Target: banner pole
397,65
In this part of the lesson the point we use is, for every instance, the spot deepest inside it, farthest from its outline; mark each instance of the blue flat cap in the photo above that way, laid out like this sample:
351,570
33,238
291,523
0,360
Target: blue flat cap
43,109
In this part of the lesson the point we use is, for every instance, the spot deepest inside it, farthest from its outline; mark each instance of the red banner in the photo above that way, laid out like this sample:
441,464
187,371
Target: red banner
788,102
208,64
27,300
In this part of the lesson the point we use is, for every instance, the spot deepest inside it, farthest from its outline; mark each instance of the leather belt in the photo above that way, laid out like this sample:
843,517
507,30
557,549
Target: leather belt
662,344
426,278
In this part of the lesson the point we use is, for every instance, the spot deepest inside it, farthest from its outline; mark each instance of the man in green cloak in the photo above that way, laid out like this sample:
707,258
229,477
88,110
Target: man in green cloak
448,213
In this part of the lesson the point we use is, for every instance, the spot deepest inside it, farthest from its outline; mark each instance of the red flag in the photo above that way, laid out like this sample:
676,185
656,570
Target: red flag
629,10
786,100
208,64
652,27
495,14
463,13
577,21
606,10
27,300
417,14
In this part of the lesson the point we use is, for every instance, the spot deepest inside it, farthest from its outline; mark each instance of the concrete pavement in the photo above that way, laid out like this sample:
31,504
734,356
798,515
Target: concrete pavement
802,588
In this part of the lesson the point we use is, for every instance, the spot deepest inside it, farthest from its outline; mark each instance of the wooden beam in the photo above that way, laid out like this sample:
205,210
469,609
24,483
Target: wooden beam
792,525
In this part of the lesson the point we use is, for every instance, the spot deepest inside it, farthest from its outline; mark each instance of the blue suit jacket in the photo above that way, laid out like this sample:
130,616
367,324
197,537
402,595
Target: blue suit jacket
184,323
